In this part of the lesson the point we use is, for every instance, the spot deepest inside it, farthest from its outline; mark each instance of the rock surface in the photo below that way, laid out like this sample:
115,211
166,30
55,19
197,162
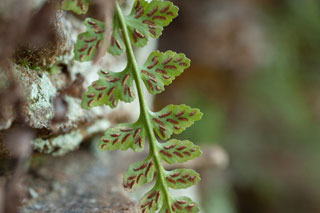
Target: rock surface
78,182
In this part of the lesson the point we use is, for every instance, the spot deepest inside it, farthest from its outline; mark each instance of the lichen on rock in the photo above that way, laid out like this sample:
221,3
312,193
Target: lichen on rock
65,143
39,92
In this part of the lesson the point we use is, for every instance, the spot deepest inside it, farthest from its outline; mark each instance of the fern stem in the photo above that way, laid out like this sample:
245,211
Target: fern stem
144,110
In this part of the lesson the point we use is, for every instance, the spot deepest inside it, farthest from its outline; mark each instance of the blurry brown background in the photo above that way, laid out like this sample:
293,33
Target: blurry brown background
255,75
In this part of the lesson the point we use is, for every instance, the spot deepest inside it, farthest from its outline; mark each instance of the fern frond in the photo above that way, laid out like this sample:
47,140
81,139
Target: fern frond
160,69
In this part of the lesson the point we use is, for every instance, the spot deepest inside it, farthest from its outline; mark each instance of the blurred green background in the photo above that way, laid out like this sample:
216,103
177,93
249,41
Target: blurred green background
255,75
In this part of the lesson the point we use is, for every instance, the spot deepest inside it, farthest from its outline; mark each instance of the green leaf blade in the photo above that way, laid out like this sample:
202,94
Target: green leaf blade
117,46
90,41
109,89
161,68
174,119
184,204
124,136
182,178
138,174
152,201
176,151
76,6
148,19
